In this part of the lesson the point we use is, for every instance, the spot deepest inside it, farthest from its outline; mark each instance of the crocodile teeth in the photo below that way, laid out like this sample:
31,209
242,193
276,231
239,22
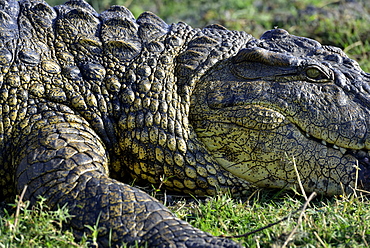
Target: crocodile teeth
307,135
323,142
342,150
335,147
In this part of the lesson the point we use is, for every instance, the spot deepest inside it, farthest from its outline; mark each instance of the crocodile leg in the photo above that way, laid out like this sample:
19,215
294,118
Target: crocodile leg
66,162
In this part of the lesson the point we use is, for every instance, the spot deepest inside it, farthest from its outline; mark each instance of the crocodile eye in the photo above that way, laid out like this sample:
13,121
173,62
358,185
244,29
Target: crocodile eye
317,74
313,73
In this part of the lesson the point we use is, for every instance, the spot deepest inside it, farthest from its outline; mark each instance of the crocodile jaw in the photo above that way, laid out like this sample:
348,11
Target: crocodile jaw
257,138
264,148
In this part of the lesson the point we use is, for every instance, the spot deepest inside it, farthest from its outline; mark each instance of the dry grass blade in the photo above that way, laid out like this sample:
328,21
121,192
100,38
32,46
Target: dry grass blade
299,219
20,201
299,179
319,239
303,208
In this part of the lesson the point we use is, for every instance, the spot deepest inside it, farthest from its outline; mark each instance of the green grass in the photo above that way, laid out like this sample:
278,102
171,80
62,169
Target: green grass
22,226
327,222
38,226
342,221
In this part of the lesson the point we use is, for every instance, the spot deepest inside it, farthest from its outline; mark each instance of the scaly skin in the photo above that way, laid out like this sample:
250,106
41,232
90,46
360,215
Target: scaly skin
287,98
88,101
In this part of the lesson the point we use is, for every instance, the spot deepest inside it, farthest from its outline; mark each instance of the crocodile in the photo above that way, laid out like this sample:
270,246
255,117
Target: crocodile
90,102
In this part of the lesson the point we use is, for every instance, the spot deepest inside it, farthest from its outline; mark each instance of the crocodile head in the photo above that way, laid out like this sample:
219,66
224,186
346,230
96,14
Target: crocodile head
285,104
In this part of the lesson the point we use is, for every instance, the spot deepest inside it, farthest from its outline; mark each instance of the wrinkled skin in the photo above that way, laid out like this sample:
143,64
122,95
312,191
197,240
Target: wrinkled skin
279,100
90,102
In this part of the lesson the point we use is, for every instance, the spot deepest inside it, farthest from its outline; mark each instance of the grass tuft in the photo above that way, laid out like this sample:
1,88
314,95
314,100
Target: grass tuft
328,222
37,226
342,221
